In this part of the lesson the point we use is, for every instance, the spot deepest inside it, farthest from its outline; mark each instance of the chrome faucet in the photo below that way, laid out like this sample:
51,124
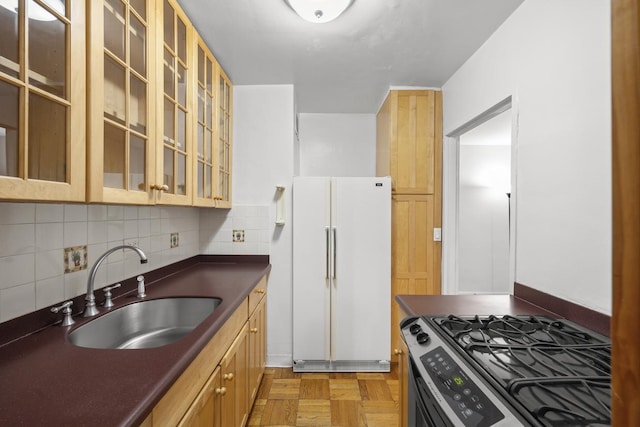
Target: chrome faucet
90,307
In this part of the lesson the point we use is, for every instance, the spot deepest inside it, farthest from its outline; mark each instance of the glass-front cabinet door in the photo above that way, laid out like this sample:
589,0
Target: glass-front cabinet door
121,122
42,86
174,158
225,107
205,127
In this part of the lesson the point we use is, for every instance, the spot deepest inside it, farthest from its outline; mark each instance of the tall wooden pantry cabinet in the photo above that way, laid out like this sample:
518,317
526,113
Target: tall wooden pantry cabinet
409,149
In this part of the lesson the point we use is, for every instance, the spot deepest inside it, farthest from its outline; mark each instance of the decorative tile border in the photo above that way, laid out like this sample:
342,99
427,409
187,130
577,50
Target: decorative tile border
75,258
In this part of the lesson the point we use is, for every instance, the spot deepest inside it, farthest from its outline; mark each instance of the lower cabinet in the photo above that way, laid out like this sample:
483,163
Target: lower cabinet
219,387
257,347
205,410
234,368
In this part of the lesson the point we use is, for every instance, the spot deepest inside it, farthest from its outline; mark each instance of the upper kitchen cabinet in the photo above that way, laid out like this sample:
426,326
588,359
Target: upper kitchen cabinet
409,126
205,170
225,108
175,105
121,117
42,87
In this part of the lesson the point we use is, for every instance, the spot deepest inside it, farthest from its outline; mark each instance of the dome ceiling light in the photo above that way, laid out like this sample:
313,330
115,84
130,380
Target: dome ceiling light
319,11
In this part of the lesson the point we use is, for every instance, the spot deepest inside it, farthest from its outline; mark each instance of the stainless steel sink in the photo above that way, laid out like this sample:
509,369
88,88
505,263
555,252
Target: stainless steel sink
145,324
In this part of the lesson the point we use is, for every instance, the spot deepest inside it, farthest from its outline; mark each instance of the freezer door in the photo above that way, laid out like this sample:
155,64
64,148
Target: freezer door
311,271
361,290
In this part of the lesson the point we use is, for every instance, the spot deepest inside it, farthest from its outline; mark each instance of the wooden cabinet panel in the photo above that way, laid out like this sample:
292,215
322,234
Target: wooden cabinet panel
205,410
234,405
257,347
224,157
174,113
121,123
408,135
409,149
415,259
43,86
257,294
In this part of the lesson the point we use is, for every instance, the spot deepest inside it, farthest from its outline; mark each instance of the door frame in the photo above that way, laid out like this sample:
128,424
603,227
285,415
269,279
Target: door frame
451,196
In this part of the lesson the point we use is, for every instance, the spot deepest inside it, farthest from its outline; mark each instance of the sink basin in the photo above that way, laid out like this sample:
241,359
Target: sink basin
145,324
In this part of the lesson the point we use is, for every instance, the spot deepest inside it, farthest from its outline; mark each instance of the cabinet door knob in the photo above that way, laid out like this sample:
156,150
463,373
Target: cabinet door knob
158,187
254,330
228,377
221,391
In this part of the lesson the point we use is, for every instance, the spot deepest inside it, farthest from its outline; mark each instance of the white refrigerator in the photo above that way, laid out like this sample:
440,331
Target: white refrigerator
341,274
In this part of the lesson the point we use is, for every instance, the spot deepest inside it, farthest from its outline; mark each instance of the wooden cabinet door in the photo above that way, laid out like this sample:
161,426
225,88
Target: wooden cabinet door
42,88
409,133
224,155
206,128
415,257
257,347
234,405
175,105
120,118
205,410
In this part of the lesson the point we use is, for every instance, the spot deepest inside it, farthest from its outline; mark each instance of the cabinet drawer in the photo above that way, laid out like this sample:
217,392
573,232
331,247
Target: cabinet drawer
257,293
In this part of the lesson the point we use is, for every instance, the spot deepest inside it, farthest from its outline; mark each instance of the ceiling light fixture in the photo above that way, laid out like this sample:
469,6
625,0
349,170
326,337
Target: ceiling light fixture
319,11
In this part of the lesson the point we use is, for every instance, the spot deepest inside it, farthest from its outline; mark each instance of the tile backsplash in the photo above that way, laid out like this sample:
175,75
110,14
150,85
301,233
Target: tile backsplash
33,238
243,230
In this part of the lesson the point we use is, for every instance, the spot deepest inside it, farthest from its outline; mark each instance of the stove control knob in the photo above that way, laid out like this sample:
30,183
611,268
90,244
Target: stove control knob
415,328
422,338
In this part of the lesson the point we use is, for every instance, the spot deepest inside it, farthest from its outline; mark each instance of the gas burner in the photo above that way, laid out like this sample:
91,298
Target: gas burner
513,330
559,371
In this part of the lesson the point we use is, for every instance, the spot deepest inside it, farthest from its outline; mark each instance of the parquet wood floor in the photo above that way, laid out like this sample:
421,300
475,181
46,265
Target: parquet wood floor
286,398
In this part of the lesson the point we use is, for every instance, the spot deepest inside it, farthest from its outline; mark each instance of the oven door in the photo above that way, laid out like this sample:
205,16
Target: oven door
423,409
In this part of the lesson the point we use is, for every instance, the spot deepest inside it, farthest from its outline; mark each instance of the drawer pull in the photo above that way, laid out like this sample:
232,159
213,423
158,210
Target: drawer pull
228,377
397,352
259,291
254,330
221,391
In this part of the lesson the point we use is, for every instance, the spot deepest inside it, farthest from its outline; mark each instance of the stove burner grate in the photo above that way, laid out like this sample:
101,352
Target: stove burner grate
560,373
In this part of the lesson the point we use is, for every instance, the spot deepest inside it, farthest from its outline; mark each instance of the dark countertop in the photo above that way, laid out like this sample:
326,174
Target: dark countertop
467,305
45,380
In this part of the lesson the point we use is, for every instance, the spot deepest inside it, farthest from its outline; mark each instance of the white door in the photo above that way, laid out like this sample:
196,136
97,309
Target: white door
361,289
311,314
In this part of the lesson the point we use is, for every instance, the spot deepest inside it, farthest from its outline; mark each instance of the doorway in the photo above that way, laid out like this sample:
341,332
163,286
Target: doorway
479,204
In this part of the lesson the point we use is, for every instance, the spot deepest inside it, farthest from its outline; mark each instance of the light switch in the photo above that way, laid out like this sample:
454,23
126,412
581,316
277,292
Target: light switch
437,234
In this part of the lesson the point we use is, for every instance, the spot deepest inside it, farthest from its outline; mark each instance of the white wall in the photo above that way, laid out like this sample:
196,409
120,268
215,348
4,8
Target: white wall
337,144
263,157
483,218
553,57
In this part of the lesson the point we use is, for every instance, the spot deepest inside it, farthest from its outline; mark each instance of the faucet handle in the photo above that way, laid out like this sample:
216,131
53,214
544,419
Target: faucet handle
65,308
107,294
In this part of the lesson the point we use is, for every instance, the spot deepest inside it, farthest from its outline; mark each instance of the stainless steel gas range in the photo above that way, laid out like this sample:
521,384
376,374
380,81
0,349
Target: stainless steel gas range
484,371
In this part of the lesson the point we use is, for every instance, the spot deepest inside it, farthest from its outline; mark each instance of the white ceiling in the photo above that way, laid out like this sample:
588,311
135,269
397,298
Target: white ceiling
346,66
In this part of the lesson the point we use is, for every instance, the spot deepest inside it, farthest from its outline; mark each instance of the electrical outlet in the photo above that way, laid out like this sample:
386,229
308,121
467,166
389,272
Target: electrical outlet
175,240
132,242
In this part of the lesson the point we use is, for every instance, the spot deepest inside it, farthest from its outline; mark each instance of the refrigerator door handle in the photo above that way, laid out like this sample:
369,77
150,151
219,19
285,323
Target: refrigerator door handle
326,251
335,252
